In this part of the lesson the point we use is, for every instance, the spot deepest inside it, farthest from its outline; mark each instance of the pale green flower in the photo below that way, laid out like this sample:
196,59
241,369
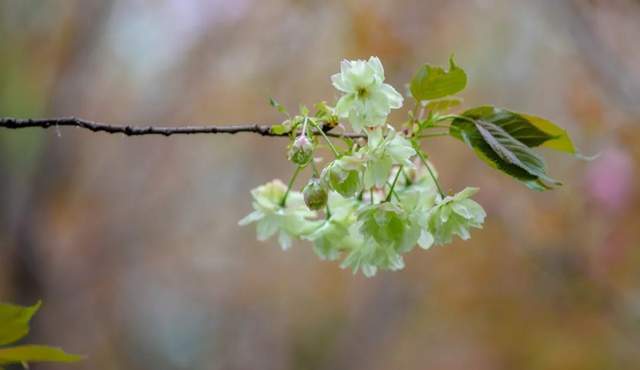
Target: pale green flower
455,215
418,192
416,202
388,224
369,256
343,175
332,236
382,233
271,217
382,152
367,100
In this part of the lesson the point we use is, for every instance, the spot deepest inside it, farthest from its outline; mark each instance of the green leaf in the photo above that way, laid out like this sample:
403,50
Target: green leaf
14,321
514,124
35,353
561,141
513,151
530,130
495,146
279,129
431,82
278,106
443,104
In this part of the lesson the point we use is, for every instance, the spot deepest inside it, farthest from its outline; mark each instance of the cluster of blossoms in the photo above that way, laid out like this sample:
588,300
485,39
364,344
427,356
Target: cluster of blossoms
379,197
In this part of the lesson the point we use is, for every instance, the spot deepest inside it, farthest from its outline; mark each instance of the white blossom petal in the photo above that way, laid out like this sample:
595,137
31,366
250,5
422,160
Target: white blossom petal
376,65
251,217
394,98
426,239
340,84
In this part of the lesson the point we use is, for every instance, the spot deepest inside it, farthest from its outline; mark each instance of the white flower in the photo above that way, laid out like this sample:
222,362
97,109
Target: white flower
455,215
343,175
416,203
367,100
272,217
382,152
331,237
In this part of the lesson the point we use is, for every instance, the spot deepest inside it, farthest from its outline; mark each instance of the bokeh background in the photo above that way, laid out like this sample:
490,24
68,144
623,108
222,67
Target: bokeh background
133,243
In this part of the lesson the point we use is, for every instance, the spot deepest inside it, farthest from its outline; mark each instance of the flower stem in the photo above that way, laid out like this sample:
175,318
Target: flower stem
393,185
304,126
435,125
454,116
407,179
293,178
319,129
414,111
424,161
433,134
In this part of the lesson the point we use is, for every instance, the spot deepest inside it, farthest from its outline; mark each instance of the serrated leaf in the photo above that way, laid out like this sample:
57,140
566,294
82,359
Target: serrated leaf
432,82
35,353
14,321
443,104
496,147
513,151
561,140
531,130
514,124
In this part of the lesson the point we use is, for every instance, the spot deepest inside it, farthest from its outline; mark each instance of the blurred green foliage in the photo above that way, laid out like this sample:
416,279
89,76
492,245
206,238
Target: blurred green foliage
14,325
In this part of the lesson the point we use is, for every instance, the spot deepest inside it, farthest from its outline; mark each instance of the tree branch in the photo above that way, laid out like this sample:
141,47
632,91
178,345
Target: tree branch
129,130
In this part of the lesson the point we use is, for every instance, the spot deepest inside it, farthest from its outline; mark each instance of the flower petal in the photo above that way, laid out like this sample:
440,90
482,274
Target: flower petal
394,98
284,240
376,65
266,228
251,217
340,84
426,240
344,105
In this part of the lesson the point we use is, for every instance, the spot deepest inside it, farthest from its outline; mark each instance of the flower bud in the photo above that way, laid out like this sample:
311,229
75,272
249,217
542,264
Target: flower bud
301,151
315,194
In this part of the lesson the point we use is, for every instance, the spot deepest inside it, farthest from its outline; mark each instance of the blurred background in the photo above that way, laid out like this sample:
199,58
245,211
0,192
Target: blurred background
133,243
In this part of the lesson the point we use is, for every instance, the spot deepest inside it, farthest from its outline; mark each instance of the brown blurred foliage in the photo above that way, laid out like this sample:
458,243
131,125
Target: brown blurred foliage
133,243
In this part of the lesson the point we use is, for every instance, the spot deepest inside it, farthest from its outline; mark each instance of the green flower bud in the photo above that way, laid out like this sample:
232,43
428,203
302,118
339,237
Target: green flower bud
315,194
301,151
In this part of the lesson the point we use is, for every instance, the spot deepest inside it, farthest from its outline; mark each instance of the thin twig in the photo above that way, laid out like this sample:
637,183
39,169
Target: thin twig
283,202
324,135
433,176
133,130
393,185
